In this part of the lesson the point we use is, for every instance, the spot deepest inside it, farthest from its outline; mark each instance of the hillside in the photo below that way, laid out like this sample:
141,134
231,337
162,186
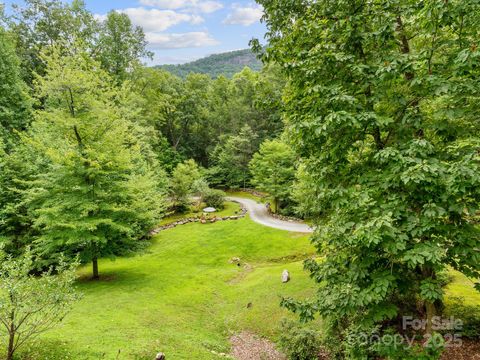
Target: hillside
226,64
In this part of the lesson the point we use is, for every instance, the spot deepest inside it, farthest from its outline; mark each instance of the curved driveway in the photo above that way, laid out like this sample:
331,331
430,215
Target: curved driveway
259,214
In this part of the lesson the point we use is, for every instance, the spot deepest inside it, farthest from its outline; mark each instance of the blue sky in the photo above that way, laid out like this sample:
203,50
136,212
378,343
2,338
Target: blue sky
179,31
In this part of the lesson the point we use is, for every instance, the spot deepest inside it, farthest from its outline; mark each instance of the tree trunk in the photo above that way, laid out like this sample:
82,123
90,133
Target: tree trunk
95,268
430,308
11,342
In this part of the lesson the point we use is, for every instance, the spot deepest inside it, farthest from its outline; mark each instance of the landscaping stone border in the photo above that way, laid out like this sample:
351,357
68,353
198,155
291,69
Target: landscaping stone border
200,219
254,192
285,218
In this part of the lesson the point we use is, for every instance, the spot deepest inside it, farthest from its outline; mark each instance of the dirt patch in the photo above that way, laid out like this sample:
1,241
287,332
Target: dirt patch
470,350
247,269
247,346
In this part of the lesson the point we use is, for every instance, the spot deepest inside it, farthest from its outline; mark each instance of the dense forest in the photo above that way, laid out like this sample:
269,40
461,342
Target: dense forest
362,119
226,64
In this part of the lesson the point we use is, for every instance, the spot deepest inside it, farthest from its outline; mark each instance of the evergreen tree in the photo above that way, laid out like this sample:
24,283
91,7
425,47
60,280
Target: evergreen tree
231,159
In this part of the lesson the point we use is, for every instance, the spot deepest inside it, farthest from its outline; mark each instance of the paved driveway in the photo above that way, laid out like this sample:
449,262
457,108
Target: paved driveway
259,214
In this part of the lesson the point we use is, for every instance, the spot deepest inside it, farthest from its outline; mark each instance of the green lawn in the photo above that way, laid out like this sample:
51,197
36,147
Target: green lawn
462,287
182,296
247,195
231,208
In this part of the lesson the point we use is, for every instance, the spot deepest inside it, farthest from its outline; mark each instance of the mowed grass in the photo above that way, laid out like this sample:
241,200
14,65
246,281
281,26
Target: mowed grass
230,208
247,195
182,296
462,287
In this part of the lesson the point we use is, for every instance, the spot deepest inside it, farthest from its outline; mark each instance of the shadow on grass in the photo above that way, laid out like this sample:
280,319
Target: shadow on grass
53,349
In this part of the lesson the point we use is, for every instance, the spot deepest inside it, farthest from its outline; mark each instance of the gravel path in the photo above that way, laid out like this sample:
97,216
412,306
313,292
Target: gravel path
259,214
246,346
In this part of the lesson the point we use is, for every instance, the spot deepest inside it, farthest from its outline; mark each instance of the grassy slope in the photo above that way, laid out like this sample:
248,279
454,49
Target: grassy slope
182,296
461,286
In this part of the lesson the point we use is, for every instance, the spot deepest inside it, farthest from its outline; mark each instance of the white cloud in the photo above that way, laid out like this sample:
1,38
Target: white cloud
205,6
244,15
159,20
100,17
179,41
209,6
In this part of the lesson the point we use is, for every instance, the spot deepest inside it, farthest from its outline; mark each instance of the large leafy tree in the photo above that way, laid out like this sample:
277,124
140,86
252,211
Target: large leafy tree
15,116
14,100
38,24
382,104
273,171
120,45
97,194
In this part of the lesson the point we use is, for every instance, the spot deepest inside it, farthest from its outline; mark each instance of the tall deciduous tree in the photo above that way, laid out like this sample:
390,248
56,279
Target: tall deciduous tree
121,45
39,24
273,171
382,104
14,100
15,116
97,194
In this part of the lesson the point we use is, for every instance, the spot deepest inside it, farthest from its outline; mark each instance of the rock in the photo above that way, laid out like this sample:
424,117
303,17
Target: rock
235,260
285,276
160,356
249,305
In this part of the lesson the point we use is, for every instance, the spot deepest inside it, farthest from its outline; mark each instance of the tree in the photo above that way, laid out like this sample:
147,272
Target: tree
182,185
31,305
15,103
40,24
382,106
121,45
96,194
273,171
231,159
15,116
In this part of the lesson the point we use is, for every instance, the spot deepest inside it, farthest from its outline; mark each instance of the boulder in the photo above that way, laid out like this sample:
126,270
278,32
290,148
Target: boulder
160,356
235,260
285,276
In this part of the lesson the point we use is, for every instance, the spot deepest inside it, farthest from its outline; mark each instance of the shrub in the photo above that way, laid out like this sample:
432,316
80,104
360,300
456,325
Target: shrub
299,342
215,198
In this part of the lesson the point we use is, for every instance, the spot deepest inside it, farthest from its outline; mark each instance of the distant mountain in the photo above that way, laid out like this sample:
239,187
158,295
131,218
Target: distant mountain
226,64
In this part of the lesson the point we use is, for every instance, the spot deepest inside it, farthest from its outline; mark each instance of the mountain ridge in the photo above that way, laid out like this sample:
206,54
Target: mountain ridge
227,64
